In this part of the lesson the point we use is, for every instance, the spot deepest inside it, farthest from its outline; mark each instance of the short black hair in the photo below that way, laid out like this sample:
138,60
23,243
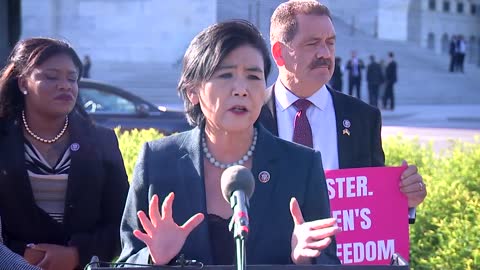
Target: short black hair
207,50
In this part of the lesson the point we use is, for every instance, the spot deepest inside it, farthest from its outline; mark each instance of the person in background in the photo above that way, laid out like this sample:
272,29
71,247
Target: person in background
63,183
381,90
453,54
374,80
87,64
223,87
461,51
355,67
337,78
390,80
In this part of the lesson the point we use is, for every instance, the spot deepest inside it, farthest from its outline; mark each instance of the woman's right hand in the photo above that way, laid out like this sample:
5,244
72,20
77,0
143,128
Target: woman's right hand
163,237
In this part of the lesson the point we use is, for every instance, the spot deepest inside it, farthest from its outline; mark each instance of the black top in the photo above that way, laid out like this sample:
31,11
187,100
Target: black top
221,239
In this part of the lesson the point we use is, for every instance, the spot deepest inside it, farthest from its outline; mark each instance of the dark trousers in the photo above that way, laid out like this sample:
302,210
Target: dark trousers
354,82
373,94
453,62
389,97
460,61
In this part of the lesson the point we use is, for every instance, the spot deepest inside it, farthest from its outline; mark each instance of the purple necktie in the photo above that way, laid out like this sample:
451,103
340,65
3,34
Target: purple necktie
302,132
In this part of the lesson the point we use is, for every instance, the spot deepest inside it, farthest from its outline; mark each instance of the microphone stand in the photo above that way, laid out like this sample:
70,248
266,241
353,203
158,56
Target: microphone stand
241,261
239,227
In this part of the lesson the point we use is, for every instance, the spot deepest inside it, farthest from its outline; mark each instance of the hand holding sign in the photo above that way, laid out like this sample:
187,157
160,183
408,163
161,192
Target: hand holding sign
372,212
309,238
412,185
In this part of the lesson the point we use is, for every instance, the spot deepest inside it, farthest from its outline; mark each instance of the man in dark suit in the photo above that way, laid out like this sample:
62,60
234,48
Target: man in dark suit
337,79
355,67
345,130
374,80
453,53
390,80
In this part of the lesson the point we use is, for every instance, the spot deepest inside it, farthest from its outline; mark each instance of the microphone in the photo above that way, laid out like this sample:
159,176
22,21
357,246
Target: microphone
237,185
94,262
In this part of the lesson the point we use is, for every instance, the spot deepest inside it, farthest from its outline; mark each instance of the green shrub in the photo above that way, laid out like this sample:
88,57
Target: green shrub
446,234
131,142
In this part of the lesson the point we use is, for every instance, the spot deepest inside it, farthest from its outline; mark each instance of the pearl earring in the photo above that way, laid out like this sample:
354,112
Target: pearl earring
25,92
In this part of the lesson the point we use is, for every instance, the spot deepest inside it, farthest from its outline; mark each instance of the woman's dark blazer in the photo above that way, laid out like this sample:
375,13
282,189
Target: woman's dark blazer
95,198
175,164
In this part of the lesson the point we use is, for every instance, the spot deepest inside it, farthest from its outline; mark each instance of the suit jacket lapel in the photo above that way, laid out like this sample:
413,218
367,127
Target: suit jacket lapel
344,141
268,114
191,171
264,161
192,178
84,156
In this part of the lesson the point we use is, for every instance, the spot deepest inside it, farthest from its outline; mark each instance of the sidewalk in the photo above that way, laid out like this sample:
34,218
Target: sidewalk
434,116
436,124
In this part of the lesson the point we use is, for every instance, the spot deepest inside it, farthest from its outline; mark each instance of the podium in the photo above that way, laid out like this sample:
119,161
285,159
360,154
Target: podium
397,263
269,267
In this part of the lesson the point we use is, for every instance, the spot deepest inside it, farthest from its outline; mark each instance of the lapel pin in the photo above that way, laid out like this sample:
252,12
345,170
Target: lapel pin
74,147
346,124
264,177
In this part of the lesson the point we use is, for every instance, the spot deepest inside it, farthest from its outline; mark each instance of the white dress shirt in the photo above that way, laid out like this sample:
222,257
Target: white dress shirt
355,69
321,116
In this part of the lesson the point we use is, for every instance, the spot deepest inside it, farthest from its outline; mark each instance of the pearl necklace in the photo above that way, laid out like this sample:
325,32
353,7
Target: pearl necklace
220,165
35,136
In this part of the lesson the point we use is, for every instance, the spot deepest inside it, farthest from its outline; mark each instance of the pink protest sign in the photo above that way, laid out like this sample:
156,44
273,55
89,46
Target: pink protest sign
372,213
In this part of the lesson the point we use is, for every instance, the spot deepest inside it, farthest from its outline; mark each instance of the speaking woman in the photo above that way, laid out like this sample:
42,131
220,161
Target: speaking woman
223,86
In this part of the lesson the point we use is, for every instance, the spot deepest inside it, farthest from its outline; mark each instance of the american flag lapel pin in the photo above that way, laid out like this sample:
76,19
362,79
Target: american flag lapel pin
346,124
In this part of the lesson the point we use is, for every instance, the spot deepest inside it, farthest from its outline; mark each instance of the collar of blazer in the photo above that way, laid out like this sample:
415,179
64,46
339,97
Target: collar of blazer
265,158
265,151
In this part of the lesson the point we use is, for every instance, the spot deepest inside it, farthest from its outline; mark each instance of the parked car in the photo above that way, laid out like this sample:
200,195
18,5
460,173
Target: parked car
111,106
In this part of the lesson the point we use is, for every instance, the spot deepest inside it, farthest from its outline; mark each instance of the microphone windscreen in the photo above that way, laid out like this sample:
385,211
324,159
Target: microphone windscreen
237,177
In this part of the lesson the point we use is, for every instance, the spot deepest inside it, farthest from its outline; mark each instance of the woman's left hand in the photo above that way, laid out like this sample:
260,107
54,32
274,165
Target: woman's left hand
309,238
57,257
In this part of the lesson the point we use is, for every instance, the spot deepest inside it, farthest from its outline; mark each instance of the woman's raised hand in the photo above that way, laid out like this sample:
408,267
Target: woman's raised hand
163,237
310,238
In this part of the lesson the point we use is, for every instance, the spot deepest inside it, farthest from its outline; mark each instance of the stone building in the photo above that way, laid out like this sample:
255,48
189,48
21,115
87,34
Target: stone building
426,23
134,30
